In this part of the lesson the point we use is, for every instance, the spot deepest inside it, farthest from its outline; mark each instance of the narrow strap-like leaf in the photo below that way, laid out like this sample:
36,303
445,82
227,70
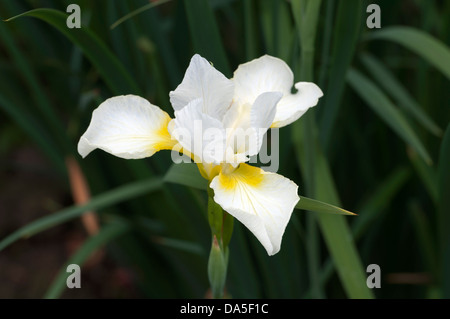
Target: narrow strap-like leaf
111,69
100,201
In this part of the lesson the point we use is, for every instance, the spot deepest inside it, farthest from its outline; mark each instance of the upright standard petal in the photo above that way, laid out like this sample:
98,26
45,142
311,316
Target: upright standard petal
262,201
264,74
246,124
203,81
270,74
263,112
127,126
292,106
201,136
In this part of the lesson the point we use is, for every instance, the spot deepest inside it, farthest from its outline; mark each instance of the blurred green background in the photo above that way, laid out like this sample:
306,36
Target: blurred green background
377,144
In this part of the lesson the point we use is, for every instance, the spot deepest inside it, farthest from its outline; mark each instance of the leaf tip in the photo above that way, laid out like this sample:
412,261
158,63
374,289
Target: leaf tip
350,213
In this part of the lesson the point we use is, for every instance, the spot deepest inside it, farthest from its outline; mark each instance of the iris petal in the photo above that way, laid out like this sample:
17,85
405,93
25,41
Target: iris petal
260,200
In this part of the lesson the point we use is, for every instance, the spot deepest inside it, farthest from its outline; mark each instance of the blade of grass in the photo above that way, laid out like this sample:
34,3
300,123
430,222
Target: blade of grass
396,90
122,42
137,11
111,69
32,82
276,27
251,39
381,105
153,25
106,199
34,32
423,44
34,130
345,37
106,234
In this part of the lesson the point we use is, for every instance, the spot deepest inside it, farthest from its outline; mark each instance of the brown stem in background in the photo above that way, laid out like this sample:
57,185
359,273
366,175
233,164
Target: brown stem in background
411,278
81,195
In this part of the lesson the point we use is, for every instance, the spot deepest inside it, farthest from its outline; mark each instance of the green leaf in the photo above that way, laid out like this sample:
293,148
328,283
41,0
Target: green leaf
182,245
106,234
111,69
250,33
277,28
34,130
345,37
427,174
334,228
205,34
381,105
34,88
137,11
186,174
336,232
306,14
379,200
313,205
391,85
106,199
372,208
424,233
423,44
443,209
338,236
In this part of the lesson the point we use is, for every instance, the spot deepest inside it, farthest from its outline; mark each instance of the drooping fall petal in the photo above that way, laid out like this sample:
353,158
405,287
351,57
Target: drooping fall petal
127,126
260,200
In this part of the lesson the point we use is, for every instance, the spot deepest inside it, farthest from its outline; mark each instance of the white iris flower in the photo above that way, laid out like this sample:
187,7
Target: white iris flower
257,98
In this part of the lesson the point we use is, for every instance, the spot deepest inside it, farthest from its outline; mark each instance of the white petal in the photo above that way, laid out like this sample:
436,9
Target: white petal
265,74
127,126
246,124
198,133
203,81
262,201
270,74
262,115
292,106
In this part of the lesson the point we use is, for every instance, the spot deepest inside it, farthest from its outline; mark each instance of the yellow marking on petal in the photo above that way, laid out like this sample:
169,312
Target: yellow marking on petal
209,170
247,174
163,139
275,124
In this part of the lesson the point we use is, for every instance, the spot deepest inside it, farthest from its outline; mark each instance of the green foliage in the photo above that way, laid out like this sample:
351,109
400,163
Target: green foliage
368,146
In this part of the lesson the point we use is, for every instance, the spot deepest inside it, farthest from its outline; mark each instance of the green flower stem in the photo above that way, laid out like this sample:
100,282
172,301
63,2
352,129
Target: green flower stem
221,224
217,268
